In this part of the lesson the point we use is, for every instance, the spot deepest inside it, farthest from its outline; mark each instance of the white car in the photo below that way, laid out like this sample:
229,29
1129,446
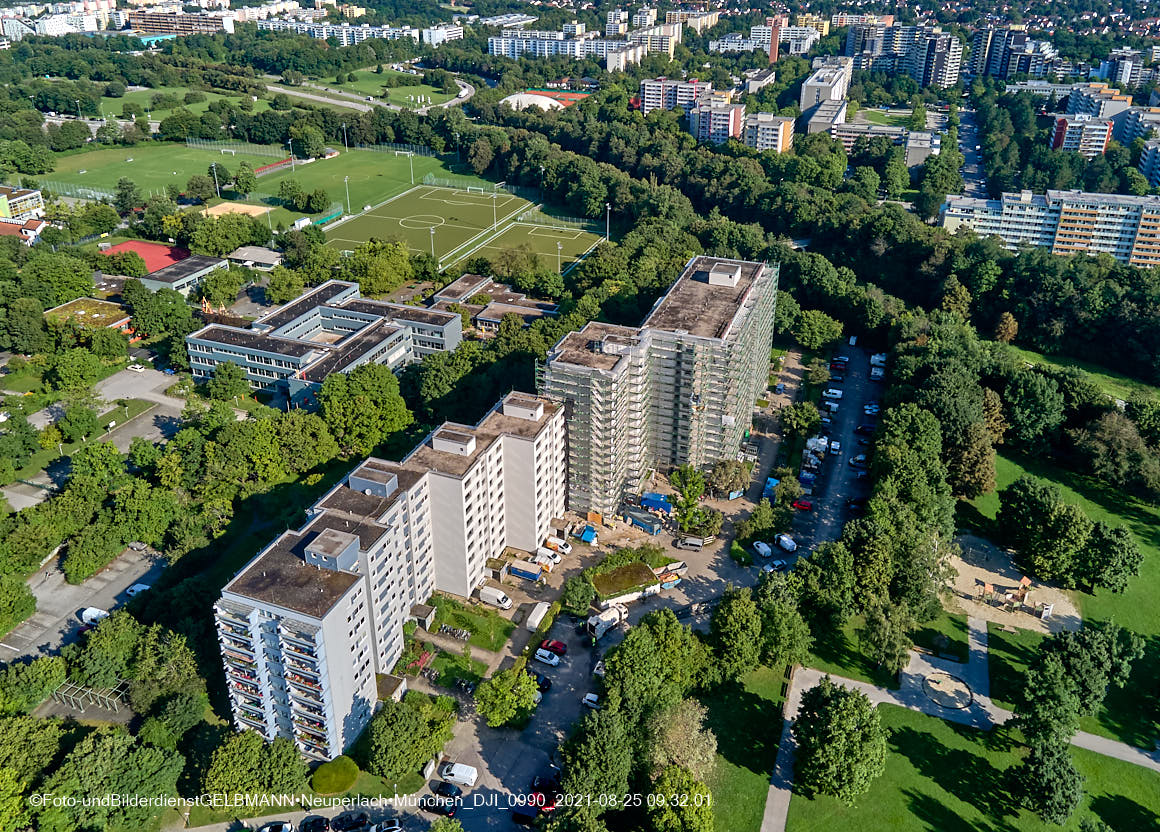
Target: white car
762,549
592,701
91,615
835,447
832,393
561,546
137,589
786,542
136,368
392,825
546,656
775,566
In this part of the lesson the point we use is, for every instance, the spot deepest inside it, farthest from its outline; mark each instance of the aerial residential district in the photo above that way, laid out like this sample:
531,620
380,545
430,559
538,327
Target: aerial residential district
579,416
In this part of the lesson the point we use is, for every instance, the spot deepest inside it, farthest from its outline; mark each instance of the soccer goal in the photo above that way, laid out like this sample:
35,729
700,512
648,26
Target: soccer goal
403,153
226,150
473,189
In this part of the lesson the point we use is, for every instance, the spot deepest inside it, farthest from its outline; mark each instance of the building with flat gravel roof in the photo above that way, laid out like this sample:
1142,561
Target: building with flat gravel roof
330,329
184,275
677,390
308,626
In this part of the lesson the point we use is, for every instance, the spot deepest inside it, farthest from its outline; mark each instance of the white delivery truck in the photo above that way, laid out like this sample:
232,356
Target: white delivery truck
536,616
495,596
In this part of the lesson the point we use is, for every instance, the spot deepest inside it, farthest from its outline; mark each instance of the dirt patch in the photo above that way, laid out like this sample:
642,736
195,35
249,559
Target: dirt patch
236,208
983,563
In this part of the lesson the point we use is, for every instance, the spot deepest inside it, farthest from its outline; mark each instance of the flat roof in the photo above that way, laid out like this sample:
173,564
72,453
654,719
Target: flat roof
257,254
297,308
343,498
184,269
90,311
156,255
281,576
462,287
399,311
368,532
235,337
349,350
693,305
496,311
577,347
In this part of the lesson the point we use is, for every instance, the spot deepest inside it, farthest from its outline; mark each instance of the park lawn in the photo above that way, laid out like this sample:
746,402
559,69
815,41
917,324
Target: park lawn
746,717
489,630
884,117
112,106
453,666
44,457
368,83
945,636
837,652
951,778
154,165
1114,384
1008,655
1126,715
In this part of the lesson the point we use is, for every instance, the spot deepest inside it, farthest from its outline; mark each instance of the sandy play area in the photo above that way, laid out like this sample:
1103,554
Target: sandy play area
236,208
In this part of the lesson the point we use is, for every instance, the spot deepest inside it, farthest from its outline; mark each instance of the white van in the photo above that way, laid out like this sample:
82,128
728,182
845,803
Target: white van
561,546
762,549
536,616
545,552
459,774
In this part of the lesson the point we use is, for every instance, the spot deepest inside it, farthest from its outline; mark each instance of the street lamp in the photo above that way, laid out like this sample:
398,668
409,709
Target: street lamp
346,181
216,186
541,183
432,242
458,157
494,220
344,144
607,219
78,103
559,255
411,159
290,144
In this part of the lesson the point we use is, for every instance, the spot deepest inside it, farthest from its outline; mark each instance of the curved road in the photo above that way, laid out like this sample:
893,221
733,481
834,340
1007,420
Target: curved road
361,102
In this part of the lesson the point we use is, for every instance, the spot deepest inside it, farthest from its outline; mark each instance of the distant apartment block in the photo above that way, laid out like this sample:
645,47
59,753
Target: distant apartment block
830,81
617,54
1135,123
164,23
507,21
1066,222
1150,162
766,38
757,79
331,329
716,122
926,53
489,302
826,117
677,390
919,144
344,33
855,19
814,21
1097,99
1009,51
698,21
935,59
1127,67
310,627
1082,134
441,34
616,23
671,94
663,37
765,131
644,17
21,203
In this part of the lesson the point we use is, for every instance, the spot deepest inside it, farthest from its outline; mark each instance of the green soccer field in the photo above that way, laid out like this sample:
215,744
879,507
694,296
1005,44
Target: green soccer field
558,248
429,217
151,166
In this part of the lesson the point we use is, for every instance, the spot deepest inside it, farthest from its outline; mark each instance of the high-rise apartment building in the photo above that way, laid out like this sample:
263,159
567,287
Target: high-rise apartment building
934,59
677,390
165,23
814,21
765,131
616,23
1150,162
662,37
671,93
830,81
1067,222
644,17
1085,135
854,19
1097,99
1009,51
1136,123
308,625
716,121
696,20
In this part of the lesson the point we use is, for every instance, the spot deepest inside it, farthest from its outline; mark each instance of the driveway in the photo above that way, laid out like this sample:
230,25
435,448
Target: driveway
55,622
974,181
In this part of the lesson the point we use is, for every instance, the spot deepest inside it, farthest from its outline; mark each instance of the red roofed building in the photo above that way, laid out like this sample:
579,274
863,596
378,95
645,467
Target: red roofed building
28,230
156,255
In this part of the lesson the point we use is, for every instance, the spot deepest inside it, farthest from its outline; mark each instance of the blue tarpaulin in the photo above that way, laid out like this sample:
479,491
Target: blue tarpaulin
655,501
588,535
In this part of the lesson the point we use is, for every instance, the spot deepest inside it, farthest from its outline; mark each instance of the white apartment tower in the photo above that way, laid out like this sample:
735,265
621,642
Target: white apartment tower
677,390
671,93
308,624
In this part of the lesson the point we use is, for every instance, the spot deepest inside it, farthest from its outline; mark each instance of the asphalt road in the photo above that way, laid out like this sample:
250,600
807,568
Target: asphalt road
974,182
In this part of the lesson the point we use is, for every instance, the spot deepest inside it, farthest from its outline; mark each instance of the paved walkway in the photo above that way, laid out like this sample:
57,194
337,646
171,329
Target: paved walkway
981,713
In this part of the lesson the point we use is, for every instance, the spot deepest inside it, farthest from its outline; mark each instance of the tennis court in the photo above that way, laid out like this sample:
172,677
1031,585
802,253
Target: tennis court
431,218
558,248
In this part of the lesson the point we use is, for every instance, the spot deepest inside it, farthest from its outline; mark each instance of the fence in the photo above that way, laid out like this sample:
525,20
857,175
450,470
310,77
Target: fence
535,216
461,183
272,151
332,213
75,191
391,147
273,167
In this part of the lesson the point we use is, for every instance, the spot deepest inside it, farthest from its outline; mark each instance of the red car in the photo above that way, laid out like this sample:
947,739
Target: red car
803,505
557,647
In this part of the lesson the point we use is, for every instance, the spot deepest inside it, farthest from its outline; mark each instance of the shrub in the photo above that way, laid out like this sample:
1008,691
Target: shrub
740,555
334,777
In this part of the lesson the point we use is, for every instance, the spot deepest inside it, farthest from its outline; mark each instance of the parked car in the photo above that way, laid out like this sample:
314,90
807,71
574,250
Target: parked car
831,393
350,821
592,700
138,546
858,461
137,589
392,825
543,683
543,794
438,805
857,505
840,359
277,826
762,549
803,505
871,409
557,647
136,368
92,615
314,823
460,774
785,542
561,546
547,657
830,405
861,475
445,789
864,442
835,447
775,566
779,387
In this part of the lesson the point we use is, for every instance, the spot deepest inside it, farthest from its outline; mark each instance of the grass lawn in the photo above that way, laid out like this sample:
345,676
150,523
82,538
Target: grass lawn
142,98
44,457
489,630
1126,714
1008,656
946,636
1115,385
746,717
452,666
884,117
24,380
952,778
368,83
837,652
623,579
558,248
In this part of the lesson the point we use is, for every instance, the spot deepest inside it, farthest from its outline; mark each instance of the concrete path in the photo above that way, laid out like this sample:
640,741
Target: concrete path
981,713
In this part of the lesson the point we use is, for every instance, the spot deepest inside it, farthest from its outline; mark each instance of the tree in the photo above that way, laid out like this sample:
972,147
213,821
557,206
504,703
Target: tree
736,632
1007,328
677,736
1108,560
1045,532
785,636
956,298
841,742
221,286
75,369
597,757
402,736
108,344
228,382
13,811
1034,407
24,685
799,418
815,330
971,465
1111,448
200,188
63,276
689,484
363,407
246,764
445,825
786,313
728,476
379,267
827,580
578,595
23,328
993,416
309,143
245,182
682,803
77,422
291,194
284,285
127,196
16,603
317,201
1051,787
505,696
480,155
886,638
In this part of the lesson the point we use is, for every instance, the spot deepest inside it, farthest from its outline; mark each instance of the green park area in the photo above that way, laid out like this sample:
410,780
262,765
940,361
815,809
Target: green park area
1127,714
168,99
885,117
368,82
1114,384
950,778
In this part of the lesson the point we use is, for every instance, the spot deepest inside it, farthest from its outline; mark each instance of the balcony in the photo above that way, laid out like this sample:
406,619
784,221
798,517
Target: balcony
252,723
310,745
302,667
313,727
237,644
238,661
301,682
229,617
298,649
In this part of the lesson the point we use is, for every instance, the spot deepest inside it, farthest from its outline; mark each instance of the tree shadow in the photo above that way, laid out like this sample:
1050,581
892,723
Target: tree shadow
1120,812
969,517
747,726
834,647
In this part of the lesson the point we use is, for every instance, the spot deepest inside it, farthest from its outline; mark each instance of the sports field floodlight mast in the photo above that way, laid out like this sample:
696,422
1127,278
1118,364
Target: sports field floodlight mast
432,242
559,255
346,181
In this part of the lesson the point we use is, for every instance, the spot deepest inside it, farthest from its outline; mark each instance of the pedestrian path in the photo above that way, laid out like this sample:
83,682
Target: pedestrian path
980,713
